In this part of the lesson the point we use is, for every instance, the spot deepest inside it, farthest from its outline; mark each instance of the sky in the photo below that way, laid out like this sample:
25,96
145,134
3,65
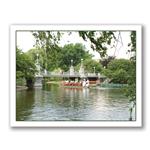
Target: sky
25,41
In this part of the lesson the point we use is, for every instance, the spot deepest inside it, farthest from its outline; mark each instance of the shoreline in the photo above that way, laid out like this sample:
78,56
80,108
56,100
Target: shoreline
19,88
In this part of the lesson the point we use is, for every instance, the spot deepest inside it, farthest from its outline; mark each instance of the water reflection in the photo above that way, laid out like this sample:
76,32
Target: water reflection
24,104
52,102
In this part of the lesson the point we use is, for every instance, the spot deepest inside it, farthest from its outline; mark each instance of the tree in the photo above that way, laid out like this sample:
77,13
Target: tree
132,45
48,41
25,67
74,52
119,70
37,53
91,66
99,40
105,61
49,61
131,90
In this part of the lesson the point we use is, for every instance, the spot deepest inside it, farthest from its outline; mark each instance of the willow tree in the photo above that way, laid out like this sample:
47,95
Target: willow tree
99,40
48,41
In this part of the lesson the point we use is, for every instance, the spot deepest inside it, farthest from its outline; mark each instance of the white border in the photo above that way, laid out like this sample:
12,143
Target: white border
14,123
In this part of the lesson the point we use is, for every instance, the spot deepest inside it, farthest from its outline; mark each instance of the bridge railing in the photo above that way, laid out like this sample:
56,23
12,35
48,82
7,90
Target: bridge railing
68,74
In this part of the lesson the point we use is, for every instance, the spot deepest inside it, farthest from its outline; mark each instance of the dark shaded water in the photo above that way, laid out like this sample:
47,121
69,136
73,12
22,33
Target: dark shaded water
59,103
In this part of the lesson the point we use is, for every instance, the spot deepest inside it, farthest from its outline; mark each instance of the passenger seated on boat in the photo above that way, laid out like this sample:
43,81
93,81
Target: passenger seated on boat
71,82
87,83
80,83
66,81
84,83
76,83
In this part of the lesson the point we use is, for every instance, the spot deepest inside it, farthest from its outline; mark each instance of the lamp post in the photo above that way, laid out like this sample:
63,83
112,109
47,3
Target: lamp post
37,64
71,68
81,71
71,62
94,70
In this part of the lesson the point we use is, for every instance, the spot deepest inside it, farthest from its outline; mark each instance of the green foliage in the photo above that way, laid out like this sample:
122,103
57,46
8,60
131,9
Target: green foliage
59,59
48,61
99,40
74,52
131,90
119,70
19,74
39,54
120,76
20,82
132,45
105,61
117,64
25,67
91,66
47,40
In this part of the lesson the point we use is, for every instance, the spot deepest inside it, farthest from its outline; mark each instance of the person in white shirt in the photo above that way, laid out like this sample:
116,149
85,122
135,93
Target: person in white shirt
87,83
84,83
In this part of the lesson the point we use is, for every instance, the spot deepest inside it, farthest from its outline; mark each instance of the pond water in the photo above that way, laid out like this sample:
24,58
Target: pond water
54,102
